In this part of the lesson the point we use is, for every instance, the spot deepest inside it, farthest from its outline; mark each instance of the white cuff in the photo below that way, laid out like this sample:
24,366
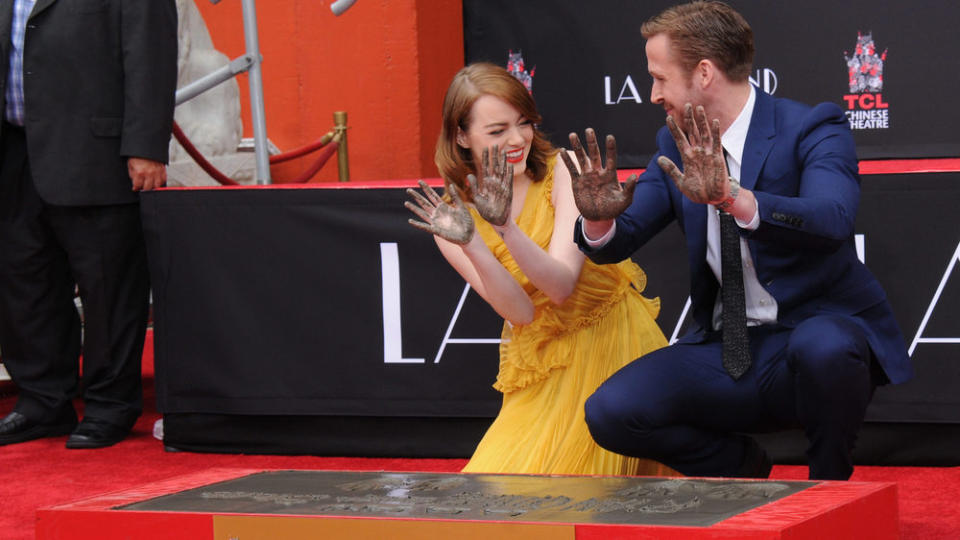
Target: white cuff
599,242
750,225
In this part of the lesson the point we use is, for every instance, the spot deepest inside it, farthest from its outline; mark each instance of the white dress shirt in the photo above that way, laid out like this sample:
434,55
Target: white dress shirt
761,306
14,112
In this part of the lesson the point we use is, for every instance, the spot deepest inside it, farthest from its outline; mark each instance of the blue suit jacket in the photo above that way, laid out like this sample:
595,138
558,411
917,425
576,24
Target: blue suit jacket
801,164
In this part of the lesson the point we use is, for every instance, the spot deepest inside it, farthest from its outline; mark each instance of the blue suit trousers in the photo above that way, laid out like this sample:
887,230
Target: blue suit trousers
678,405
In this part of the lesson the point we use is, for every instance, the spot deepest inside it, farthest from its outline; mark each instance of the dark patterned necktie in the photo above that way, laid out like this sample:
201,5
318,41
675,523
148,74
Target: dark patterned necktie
736,345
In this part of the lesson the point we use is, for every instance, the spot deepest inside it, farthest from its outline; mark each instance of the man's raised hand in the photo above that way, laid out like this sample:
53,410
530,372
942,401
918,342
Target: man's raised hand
596,190
704,177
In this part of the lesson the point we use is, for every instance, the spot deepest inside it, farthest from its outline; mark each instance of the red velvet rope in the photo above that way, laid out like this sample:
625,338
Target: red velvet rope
328,150
297,152
322,158
201,161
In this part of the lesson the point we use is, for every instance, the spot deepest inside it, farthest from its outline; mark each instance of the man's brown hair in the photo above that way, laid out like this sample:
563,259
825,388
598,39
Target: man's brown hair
706,30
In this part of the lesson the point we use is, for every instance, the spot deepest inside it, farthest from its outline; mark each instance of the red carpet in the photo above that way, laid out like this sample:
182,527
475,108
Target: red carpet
43,473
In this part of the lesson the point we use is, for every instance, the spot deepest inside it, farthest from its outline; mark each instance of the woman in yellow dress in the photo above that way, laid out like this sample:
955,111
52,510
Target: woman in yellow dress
568,324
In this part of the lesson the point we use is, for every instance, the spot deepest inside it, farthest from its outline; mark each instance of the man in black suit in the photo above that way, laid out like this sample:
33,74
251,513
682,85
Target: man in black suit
87,90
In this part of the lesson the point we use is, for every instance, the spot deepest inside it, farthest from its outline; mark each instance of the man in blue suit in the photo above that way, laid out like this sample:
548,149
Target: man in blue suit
819,334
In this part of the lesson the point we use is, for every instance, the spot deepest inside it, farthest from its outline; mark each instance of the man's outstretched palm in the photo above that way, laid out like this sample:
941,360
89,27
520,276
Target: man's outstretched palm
704,177
596,190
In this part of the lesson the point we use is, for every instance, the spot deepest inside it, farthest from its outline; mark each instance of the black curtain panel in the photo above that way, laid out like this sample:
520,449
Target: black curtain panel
326,302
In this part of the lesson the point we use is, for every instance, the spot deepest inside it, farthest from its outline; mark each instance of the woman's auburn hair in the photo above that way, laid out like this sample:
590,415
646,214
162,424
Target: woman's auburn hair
469,84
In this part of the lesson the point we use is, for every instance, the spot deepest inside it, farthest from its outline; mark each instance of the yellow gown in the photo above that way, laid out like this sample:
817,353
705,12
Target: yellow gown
548,368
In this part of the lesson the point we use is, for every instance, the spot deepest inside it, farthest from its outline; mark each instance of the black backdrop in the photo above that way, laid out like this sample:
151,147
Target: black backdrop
577,49
272,302
274,333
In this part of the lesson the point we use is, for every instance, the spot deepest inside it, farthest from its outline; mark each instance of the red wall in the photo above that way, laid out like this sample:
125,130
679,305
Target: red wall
385,62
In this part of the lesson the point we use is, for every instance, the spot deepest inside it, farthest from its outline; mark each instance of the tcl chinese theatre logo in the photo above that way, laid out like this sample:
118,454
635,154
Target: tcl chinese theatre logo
866,108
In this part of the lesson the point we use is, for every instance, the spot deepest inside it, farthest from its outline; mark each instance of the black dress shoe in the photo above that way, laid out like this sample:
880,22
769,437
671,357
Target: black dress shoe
96,433
17,428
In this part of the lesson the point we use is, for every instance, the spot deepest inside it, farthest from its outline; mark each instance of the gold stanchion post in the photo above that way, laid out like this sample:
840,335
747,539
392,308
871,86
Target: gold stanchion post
340,127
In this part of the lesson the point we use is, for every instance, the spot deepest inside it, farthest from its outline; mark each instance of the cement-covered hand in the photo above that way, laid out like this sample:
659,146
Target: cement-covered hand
450,221
596,190
493,193
704,177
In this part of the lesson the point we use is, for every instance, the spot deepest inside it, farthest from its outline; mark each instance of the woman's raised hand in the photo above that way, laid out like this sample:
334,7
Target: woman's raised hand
493,193
450,221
